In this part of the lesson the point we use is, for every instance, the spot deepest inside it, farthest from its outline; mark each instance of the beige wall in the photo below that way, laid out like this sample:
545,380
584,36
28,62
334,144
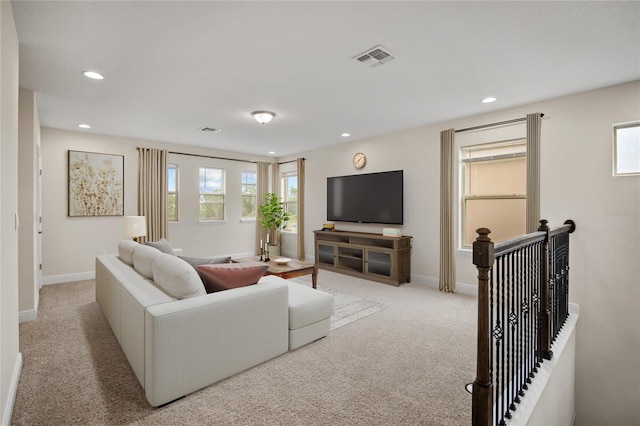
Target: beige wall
70,244
576,183
10,359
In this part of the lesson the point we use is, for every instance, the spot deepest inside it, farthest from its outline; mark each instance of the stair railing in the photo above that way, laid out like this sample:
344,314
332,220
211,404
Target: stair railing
523,302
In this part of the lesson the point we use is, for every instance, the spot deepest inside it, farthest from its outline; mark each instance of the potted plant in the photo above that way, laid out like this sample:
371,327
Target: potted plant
273,217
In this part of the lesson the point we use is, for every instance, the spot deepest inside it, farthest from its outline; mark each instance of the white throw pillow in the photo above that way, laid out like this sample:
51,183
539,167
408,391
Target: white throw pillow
142,258
125,251
176,277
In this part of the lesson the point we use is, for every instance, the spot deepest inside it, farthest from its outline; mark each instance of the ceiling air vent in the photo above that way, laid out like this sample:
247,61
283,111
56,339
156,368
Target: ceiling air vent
375,56
210,129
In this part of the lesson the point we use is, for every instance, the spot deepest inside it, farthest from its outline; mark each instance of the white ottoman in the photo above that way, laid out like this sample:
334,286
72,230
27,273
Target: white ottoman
309,313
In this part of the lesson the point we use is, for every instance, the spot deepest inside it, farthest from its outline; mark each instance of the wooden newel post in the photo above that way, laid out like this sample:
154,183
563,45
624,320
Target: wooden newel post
545,311
482,400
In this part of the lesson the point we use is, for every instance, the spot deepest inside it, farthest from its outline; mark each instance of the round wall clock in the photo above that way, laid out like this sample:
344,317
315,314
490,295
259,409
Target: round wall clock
359,160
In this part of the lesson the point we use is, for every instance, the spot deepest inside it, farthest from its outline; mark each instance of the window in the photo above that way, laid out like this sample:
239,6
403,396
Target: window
626,149
249,191
290,199
172,193
494,182
211,194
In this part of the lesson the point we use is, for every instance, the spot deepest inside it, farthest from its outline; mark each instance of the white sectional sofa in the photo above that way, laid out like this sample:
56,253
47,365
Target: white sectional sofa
177,346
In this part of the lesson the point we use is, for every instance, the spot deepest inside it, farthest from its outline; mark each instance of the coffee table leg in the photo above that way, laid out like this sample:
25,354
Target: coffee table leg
314,276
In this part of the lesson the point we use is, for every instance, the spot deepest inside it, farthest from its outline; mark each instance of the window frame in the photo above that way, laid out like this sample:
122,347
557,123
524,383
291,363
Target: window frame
463,197
222,194
617,127
169,192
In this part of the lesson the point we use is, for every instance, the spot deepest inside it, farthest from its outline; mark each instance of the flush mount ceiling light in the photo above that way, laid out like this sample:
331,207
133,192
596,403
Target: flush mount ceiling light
488,100
345,135
84,126
263,117
92,74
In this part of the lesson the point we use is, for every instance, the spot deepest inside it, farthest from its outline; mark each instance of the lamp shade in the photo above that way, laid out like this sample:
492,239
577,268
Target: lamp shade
135,226
263,117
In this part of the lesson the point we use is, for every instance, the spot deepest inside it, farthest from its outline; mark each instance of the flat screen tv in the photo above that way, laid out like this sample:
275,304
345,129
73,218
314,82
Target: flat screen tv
366,198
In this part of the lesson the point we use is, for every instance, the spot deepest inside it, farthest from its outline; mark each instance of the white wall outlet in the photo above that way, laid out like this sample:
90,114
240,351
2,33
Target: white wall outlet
103,251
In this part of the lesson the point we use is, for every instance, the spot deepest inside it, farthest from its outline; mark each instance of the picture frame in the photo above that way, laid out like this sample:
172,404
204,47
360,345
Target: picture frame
96,184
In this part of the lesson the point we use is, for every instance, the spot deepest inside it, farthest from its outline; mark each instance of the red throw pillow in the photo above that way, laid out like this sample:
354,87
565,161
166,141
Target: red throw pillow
230,275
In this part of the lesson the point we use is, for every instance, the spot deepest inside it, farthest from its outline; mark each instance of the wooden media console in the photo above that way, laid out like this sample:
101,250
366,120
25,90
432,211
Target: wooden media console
371,256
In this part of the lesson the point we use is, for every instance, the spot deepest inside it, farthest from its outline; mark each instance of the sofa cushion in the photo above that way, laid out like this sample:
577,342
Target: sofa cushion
230,275
162,245
142,257
125,251
176,277
308,306
195,261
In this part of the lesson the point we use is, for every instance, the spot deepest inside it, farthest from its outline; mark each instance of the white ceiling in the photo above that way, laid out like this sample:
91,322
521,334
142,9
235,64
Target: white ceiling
172,67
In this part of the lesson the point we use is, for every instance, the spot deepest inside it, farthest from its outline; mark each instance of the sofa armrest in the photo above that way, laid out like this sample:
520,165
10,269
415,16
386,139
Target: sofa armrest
177,251
192,343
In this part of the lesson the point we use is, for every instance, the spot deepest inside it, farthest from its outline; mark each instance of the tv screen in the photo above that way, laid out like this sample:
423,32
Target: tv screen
366,198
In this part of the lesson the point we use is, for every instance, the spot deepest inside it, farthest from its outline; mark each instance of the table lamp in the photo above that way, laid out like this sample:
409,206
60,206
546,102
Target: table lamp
135,227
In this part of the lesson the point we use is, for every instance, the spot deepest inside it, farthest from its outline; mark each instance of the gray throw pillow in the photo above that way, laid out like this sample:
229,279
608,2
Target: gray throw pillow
196,261
162,245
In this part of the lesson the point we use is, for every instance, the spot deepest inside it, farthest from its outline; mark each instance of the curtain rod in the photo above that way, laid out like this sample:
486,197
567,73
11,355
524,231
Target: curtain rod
500,123
292,161
211,156
225,158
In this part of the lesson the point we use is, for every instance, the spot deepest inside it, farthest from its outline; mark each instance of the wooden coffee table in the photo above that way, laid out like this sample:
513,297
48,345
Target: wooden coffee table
295,268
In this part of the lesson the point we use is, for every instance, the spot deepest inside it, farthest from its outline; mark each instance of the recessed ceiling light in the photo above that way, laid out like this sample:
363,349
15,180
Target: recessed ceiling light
84,126
272,152
92,74
488,100
345,135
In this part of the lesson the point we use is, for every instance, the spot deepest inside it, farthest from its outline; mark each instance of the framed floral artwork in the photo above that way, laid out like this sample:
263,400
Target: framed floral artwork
96,184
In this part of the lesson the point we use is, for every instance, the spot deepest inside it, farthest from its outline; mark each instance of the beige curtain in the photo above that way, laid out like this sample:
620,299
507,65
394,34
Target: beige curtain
275,178
262,187
152,191
534,126
300,164
447,244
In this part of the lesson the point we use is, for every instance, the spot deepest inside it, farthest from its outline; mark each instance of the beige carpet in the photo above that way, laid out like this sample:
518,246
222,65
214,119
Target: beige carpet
404,365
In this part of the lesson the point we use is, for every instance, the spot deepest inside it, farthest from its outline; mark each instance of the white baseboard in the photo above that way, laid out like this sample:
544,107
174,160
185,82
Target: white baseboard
67,278
27,316
434,283
13,390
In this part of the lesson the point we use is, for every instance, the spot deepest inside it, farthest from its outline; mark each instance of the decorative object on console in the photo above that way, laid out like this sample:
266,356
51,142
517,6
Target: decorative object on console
282,260
328,227
273,217
391,232
96,184
135,227
263,117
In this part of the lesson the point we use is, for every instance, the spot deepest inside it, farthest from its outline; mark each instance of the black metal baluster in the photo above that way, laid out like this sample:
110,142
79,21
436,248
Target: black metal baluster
505,344
527,318
512,324
492,362
498,334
